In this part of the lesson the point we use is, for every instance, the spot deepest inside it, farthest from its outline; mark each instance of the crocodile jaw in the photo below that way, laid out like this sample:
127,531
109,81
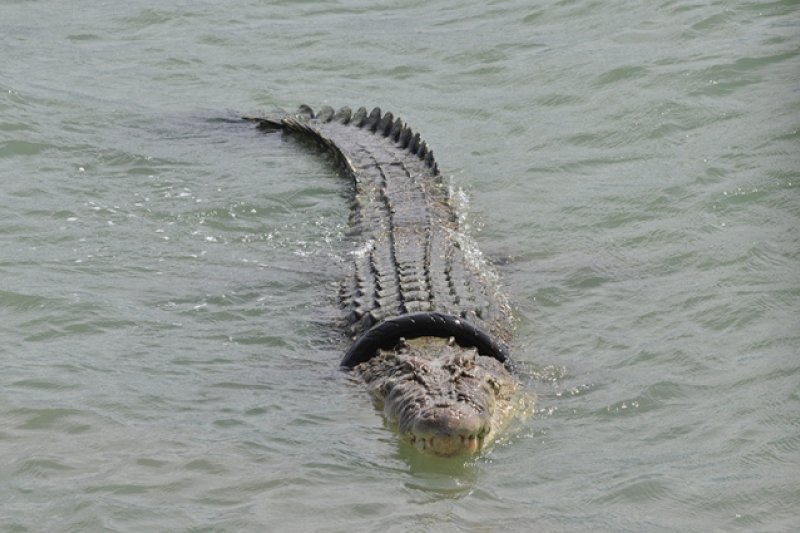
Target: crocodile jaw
443,399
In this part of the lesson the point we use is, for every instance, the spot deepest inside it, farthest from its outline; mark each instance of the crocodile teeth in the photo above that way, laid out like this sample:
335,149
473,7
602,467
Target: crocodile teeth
469,443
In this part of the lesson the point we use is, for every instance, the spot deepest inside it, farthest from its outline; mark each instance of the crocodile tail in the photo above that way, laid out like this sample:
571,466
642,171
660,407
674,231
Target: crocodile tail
308,123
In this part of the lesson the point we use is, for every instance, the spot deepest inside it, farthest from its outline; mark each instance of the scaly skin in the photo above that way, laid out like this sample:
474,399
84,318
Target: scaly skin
444,399
416,275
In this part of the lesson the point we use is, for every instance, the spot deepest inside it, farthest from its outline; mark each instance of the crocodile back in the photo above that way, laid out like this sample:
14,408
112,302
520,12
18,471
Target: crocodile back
410,254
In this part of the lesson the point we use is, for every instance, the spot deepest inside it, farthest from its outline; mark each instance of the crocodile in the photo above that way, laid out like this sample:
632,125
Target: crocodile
428,325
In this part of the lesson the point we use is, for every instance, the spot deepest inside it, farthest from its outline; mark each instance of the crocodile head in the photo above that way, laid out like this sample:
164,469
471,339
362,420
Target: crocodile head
445,399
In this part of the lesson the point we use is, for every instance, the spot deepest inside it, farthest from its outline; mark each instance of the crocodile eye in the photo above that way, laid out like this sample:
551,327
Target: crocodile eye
409,365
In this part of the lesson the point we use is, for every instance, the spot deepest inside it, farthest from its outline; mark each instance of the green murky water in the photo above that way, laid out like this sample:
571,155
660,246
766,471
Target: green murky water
166,355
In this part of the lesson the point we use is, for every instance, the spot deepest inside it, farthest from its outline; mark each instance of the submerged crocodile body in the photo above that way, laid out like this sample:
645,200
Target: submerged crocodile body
429,329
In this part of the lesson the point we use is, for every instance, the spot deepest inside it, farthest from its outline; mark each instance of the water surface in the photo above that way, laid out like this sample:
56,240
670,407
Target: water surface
167,274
